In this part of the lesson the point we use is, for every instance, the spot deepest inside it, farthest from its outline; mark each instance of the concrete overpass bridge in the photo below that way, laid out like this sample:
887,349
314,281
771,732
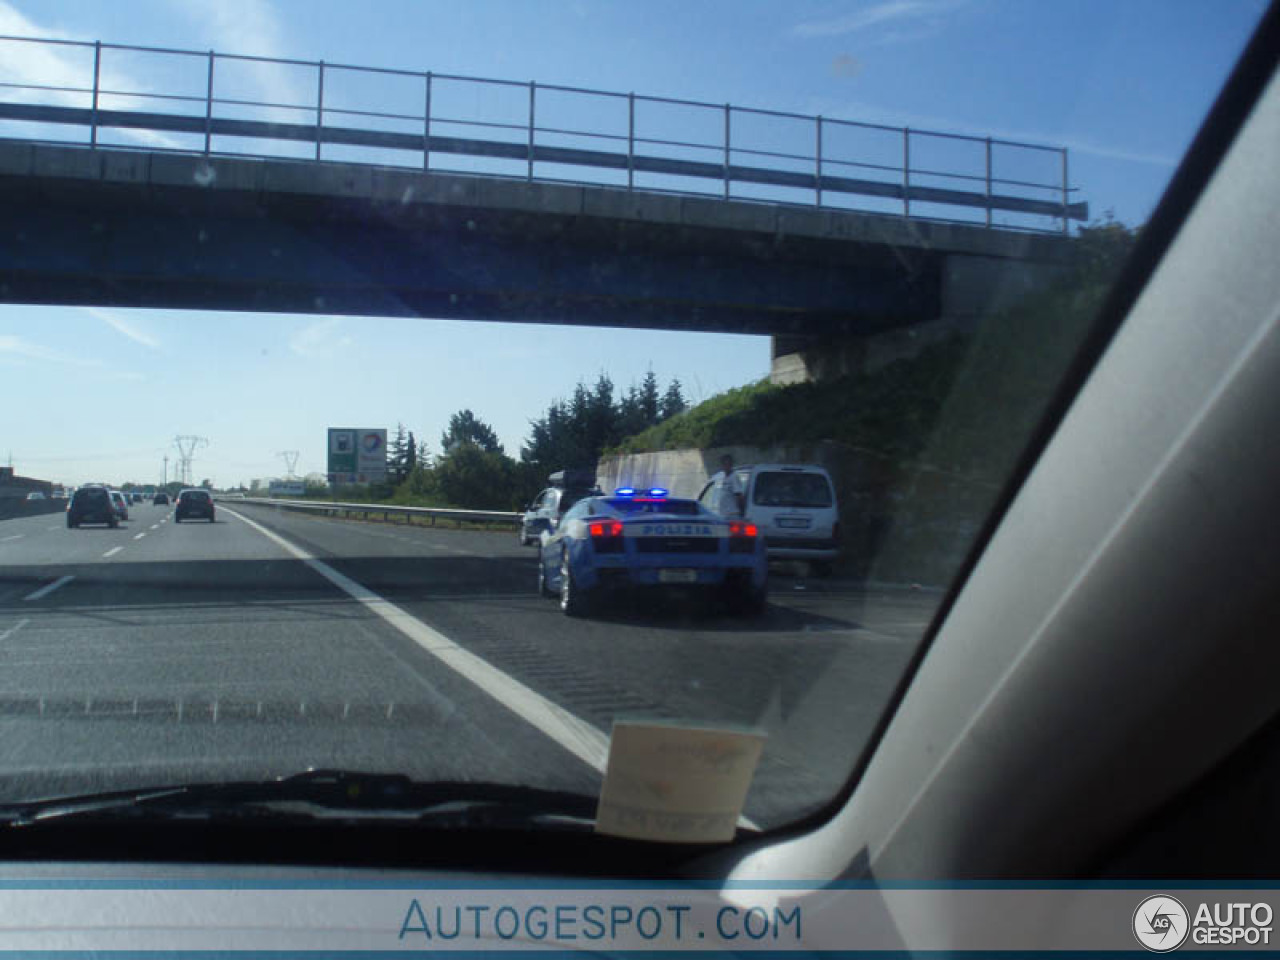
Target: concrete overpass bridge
97,220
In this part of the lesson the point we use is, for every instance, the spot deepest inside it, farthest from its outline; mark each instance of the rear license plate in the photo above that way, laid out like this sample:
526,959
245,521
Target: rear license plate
793,521
677,576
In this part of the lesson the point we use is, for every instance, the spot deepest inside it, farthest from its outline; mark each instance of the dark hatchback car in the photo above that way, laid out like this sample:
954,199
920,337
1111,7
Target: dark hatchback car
193,505
161,498
92,505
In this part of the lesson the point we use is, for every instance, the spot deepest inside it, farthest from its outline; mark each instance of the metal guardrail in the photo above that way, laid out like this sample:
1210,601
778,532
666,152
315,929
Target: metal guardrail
821,167
387,510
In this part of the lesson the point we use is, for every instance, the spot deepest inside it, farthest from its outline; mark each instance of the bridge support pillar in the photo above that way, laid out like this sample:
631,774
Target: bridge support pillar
973,288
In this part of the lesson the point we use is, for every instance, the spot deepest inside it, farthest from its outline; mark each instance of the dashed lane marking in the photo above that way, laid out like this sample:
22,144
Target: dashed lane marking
48,588
12,630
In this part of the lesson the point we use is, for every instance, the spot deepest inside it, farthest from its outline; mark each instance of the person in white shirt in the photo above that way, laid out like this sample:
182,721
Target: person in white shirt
728,498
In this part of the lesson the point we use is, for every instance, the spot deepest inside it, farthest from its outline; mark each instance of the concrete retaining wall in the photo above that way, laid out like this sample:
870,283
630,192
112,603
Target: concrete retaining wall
899,522
14,507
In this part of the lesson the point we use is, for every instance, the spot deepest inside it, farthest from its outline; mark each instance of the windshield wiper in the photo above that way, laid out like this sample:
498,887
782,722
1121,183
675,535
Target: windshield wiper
318,794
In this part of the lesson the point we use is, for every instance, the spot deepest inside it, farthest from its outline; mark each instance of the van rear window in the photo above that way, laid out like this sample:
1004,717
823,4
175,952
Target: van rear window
779,489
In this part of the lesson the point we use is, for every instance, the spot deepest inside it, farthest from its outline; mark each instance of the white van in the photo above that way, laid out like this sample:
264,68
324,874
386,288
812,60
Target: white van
794,505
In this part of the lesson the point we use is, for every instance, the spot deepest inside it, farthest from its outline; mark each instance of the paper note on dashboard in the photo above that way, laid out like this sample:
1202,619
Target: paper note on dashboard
676,784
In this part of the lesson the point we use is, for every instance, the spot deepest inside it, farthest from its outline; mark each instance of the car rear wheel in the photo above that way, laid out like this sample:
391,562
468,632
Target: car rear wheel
113,523
573,602
176,518
71,524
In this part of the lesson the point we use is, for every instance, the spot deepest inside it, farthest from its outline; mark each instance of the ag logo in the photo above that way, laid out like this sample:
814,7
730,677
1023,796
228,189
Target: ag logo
1161,923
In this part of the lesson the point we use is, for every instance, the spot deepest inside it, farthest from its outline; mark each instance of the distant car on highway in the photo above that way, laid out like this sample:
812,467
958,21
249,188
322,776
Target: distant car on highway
544,513
193,504
36,495
794,506
92,504
645,539
122,504
161,499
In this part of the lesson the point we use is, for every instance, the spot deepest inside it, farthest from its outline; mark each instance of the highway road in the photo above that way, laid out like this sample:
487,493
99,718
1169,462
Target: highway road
271,641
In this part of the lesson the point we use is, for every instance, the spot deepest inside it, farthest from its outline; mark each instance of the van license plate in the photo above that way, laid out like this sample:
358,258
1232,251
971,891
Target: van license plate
677,576
793,521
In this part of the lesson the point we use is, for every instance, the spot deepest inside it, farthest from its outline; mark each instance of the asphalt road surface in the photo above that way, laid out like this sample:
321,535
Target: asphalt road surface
271,641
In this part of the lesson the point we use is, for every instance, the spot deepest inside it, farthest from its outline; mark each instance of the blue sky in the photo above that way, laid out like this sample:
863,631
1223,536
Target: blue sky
1123,84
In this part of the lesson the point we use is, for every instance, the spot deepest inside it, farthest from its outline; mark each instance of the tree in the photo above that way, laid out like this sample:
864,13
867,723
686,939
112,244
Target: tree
553,442
397,456
576,432
410,456
648,402
630,413
601,427
673,401
477,479
466,427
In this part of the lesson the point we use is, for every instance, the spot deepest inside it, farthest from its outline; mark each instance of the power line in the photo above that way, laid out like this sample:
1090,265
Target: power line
290,461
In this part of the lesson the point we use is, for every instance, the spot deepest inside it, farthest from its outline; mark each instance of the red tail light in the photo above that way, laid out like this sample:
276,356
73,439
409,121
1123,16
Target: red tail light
606,537
742,537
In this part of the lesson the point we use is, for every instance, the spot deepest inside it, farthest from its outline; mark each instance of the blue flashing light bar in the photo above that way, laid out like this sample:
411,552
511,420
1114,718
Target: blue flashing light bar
657,493
625,492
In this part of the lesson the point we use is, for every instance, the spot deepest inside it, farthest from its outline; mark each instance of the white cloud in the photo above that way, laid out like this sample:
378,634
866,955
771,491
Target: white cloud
120,325
890,11
25,349
63,66
321,339
252,27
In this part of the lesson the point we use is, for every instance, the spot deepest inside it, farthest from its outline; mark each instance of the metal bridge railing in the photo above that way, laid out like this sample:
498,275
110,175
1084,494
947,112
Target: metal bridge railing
840,160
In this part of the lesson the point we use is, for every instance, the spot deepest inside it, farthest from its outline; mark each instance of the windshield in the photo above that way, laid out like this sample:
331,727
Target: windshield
366,280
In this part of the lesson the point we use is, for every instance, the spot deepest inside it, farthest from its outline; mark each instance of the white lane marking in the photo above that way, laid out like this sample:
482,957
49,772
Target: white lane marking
585,741
139,536
580,738
16,536
48,588
53,528
112,552
155,526
12,630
